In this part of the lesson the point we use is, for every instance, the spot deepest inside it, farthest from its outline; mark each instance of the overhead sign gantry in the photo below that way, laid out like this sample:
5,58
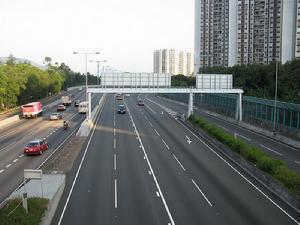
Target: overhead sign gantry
161,83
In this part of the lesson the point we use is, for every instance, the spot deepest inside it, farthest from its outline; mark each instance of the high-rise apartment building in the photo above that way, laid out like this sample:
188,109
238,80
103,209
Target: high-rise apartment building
297,45
173,62
229,32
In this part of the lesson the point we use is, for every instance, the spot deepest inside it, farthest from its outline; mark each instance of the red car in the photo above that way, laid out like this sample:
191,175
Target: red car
140,103
36,147
61,108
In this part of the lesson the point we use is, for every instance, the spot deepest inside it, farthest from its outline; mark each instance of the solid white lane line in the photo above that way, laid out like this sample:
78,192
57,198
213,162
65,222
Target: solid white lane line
156,132
78,170
223,128
151,109
248,139
115,144
179,162
115,162
150,124
165,144
271,150
8,165
157,194
1,171
297,162
15,160
235,170
202,193
153,175
116,194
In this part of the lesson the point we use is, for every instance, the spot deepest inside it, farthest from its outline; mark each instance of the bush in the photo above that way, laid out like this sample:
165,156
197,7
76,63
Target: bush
272,166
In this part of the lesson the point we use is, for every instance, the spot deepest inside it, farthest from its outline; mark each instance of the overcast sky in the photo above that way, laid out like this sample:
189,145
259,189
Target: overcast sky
125,32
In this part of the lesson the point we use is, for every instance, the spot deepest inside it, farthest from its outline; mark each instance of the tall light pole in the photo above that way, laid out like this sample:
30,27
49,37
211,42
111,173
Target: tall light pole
275,97
98,62
86,78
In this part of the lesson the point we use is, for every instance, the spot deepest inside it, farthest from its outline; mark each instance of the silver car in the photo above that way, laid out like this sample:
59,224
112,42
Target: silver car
55,116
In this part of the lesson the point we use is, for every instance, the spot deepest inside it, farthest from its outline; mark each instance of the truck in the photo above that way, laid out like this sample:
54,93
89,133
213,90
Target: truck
32,110
66,100
83,107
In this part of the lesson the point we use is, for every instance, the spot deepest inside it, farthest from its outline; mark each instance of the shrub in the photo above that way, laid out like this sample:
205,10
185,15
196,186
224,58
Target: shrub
272,166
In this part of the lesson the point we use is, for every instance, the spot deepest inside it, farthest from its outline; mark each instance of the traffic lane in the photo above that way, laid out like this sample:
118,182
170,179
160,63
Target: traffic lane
12,136
279,150
32,130
20,140
210,171
92,198
138,200
186,204
13,175
8,134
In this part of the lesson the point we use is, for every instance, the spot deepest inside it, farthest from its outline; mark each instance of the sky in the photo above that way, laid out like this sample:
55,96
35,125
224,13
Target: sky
125,32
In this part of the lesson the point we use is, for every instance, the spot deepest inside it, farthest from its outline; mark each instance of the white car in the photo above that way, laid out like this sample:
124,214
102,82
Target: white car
55,116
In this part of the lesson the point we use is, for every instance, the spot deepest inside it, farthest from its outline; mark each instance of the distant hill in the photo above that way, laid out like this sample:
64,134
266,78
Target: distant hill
3,60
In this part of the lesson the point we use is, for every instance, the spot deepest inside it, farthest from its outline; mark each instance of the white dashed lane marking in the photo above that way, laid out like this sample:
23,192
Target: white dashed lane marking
1,171
8,165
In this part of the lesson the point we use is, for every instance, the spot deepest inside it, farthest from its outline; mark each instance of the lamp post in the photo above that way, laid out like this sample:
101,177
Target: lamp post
86,78
98,62
275,98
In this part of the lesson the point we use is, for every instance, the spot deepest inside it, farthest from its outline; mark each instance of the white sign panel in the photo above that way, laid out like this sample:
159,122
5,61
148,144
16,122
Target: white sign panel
136,80
33,174
214,81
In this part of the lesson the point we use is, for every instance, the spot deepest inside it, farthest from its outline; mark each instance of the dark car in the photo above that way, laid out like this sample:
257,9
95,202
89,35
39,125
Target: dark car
121,109
141,103
76,104
61,108
36,147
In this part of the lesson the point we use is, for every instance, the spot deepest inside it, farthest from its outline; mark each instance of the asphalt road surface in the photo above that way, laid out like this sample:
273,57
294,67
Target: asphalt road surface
14,137
144,167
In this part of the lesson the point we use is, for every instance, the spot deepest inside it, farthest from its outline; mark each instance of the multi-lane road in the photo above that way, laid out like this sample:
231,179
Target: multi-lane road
14,137
289,154
145,167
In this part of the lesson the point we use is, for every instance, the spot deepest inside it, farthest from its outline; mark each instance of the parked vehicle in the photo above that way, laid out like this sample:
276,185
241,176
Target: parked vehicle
121,109
76,104
83,107
55,116
36,147
141,103
66,100
32,110
61,108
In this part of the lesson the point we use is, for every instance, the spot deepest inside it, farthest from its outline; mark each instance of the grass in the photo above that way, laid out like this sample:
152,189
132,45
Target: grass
12,214
272,166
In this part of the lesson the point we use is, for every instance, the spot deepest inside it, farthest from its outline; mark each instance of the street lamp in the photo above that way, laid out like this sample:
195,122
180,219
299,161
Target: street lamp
275,97
98,62
86,78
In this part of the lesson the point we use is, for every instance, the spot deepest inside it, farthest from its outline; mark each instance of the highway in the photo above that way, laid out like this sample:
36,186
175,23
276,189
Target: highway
287,153
144,167
14,137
